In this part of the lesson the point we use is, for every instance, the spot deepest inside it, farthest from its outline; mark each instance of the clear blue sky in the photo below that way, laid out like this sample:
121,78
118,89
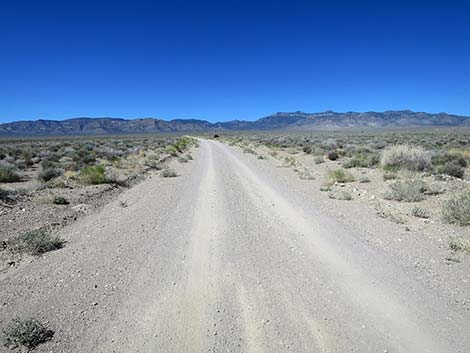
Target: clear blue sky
231,59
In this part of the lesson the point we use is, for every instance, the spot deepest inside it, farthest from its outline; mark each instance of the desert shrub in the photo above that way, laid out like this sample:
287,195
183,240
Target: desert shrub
364,179
390,175
93,175
406,157
339,176
84,157
60,200
341,195
406,190
307,149
50,173
449,157
182,160
456,209
171,150
364,161
168,173
8,174
183,143
419,212
452,168
248,150
35,242
28,333
306,174
117,176
332,155
189,157
459,244
318,160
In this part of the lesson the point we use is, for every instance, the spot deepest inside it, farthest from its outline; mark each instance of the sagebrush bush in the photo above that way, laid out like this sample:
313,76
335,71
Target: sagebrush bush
364,161
406,157
35,242
28,333
168,173
92,175
452,168
456,209
50,173
459,244
332,155
406,190
8,174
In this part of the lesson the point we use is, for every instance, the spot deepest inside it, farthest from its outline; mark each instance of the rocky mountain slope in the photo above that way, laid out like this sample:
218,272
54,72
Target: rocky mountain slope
328,120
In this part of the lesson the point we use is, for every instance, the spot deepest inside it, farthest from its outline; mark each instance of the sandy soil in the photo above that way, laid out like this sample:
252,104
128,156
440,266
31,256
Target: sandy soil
234,255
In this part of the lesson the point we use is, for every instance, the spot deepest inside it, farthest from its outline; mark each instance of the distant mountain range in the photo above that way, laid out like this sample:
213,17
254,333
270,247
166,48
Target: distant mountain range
328,120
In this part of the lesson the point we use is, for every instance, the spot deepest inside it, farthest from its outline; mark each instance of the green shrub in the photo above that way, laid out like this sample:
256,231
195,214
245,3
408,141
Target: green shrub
406,157
93,175
339,176
456,209
171,150
406,190
8,174
35,242
28,333
60,200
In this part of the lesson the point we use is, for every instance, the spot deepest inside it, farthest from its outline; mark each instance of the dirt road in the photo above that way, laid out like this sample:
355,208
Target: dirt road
227,258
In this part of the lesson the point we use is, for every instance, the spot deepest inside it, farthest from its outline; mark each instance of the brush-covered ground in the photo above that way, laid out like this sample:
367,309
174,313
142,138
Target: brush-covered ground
48,183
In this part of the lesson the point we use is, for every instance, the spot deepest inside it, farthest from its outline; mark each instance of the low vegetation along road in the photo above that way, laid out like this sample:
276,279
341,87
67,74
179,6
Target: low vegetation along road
227,257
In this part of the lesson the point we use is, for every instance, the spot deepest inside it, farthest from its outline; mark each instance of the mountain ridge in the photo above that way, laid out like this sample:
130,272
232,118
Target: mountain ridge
327,120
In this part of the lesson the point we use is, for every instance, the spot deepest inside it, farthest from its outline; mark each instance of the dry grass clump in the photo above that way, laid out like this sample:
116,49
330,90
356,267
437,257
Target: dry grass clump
406,157
339,176
456,209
